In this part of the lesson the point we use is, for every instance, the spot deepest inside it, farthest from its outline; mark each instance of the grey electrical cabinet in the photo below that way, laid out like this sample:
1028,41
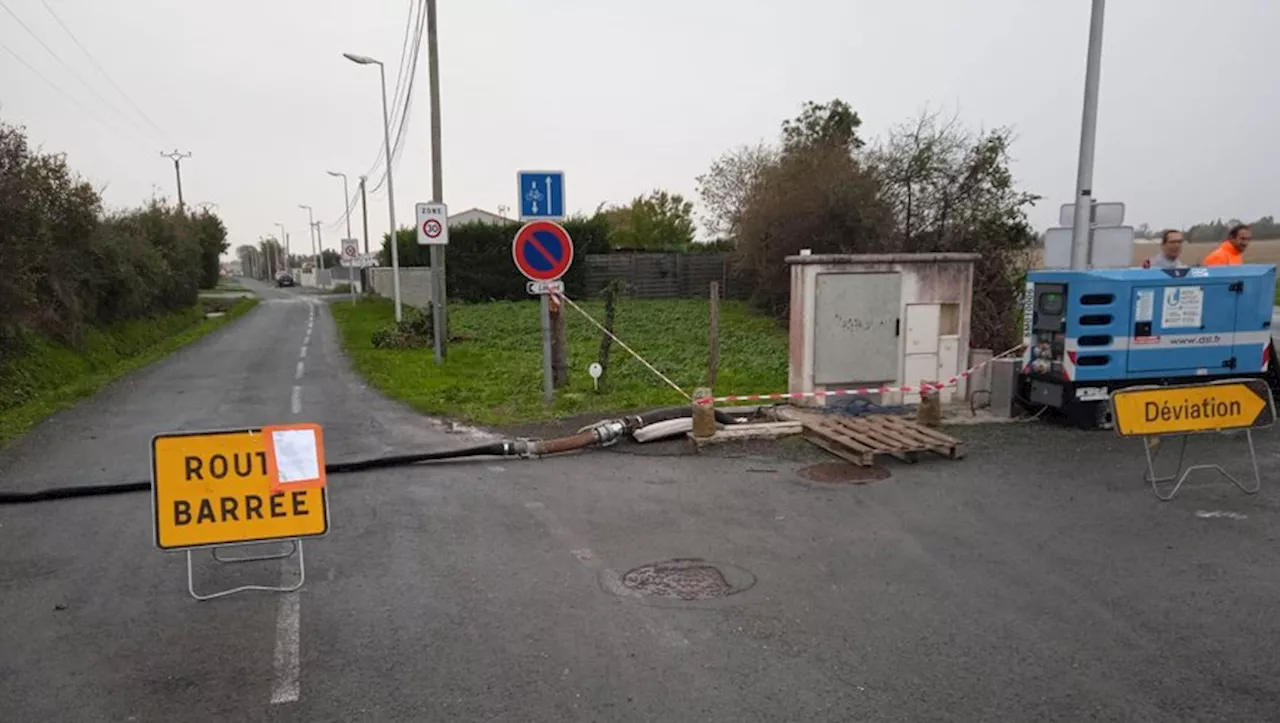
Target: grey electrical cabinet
856,327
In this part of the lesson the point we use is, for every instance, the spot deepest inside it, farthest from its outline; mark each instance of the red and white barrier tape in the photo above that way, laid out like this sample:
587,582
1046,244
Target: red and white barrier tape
860,391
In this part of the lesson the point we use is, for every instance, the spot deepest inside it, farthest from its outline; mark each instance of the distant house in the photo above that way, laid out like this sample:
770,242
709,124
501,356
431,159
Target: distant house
476,215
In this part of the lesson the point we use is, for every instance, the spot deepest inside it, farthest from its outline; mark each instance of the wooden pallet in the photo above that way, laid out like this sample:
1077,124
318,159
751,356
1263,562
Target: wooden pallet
860,439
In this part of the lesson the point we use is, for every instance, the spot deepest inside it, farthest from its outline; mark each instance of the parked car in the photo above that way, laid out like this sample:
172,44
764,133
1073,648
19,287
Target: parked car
284,279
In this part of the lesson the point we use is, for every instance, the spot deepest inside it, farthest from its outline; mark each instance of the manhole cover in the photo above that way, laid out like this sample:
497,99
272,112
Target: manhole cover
684,579
844,472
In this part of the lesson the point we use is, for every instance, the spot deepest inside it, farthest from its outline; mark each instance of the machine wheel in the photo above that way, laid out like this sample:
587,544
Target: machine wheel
1102,416
1273,371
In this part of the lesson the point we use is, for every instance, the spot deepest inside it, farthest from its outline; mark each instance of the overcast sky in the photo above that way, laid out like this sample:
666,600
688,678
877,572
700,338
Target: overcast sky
626,97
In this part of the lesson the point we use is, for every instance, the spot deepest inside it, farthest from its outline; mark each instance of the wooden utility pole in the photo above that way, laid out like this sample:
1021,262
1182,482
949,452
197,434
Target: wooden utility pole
177,157
713,358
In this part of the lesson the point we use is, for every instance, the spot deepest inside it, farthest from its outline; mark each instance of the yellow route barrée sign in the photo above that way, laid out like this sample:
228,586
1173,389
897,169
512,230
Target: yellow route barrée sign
216,488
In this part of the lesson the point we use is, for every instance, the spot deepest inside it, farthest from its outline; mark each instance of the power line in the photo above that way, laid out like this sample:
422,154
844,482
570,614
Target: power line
58,58
398,146
88,111
101,70
416,19
409,22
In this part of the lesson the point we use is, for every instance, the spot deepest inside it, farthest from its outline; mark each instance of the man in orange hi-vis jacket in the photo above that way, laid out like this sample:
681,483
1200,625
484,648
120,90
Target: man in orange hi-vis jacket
1231,252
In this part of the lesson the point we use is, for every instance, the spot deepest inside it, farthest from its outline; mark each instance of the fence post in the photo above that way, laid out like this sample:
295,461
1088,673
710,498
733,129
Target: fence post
713,359
611,291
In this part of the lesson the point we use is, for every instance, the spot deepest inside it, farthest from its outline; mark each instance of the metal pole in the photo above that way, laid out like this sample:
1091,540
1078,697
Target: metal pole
548,383
391,196
1082,226
311,234
439,292
346,199
364,222
284,247
319,246
364,215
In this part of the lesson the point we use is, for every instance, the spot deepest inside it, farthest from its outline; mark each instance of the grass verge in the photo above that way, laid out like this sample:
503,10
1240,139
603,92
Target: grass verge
45,377
493,374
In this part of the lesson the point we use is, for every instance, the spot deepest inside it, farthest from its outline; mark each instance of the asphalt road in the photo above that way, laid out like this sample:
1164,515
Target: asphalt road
1038,579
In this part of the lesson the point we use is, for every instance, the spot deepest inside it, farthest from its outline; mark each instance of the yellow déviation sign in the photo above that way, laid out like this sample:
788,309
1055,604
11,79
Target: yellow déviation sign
1235,404
217,488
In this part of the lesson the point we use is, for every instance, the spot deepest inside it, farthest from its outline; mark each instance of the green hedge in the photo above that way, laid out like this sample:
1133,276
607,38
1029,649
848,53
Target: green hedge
68,266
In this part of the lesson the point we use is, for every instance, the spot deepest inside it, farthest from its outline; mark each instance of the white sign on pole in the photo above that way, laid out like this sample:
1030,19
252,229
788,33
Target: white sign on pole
1104,214
364,260
596,371
350,251
545,287
433,224
1112,248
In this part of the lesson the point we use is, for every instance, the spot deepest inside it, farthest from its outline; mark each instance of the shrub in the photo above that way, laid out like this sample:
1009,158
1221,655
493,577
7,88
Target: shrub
68,266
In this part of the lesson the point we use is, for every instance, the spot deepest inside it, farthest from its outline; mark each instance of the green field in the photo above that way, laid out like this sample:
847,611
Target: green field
494,374
44,377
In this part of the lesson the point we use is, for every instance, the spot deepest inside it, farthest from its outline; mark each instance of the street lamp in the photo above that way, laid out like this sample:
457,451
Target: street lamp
391,195
311,229
284,244
346,197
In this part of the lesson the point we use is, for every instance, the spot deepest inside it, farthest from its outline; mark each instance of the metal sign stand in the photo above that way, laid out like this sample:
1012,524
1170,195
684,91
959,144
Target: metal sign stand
1180,474
1158,412
295,545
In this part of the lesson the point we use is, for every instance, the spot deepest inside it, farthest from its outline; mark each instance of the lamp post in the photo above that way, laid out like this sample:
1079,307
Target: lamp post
346,198
311,228
391,194
284,243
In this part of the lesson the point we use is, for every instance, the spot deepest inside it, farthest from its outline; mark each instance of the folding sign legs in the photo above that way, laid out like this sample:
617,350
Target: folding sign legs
1180,474
294,546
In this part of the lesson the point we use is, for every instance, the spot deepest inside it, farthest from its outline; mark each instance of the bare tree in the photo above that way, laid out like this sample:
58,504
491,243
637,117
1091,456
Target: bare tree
725,187
950,189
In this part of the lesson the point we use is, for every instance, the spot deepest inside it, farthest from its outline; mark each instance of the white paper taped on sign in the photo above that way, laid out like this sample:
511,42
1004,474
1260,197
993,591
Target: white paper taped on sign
297,456
1183,308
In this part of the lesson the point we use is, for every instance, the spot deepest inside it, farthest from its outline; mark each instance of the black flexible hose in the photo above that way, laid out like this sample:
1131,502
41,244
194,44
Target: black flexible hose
498,449
359,465
494,449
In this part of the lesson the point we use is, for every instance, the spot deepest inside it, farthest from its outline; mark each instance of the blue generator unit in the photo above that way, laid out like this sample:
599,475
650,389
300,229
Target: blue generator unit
1091,332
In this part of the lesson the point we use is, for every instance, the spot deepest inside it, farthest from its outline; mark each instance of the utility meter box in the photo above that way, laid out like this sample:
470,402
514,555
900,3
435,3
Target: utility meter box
879,320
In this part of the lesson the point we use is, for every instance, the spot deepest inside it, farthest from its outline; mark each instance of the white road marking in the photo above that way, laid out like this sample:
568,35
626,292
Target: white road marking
1205,514
288,664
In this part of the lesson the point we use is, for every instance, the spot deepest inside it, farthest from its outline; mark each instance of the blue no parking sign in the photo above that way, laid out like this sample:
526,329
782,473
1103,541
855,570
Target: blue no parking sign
542,250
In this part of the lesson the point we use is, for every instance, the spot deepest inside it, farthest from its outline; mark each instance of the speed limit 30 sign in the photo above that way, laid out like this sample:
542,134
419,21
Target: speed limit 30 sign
433,224
350,250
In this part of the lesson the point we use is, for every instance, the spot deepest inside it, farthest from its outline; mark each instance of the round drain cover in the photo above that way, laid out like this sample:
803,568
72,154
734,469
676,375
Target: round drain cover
684,579
844,472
